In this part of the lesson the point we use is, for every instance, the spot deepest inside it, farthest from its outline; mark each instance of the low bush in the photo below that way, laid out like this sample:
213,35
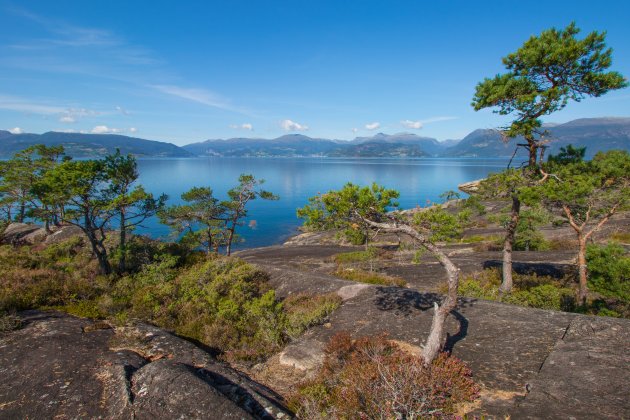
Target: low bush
370,277
544,296
528,290
221,302
373,378
609,270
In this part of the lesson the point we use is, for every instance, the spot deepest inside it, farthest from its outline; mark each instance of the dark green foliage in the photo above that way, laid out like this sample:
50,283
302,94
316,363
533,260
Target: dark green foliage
609,270
347,208
207,222
199,222
543,75
568,155
474,203
23,190
372,377
544,296
528,235
585,193
440,224
131,204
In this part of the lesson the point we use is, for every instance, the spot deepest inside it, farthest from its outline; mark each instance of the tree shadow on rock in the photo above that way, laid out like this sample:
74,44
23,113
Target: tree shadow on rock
406,301
451,340
557,271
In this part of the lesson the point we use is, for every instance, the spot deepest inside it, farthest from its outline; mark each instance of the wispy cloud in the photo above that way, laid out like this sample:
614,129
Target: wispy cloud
198,95
66,48
15,130
288,125
13,103
437,119
373,126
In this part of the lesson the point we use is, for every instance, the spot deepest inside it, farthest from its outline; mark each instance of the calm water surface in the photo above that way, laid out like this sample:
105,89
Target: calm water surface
295,180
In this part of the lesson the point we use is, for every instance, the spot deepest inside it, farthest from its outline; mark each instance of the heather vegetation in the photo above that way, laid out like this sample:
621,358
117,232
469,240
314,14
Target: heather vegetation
372,377
219,301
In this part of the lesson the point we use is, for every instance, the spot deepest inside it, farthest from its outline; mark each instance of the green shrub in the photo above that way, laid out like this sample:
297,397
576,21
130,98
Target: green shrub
474,203
528,290
223,302
373,378
544,296
609,270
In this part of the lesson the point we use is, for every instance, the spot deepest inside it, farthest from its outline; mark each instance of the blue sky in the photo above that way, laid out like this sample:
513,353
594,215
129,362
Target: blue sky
190,71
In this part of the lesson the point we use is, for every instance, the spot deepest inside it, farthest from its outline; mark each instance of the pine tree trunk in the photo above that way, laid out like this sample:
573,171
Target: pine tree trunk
229,242
435,340
98,249
581,260
22,214
508,245
533,149
122,262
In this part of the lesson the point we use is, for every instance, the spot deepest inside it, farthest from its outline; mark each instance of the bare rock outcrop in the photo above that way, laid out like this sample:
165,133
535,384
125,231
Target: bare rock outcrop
59,366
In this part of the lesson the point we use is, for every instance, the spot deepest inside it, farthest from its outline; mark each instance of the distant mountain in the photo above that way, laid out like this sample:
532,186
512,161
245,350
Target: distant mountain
90,145
596,134
408,143
379,145
286,146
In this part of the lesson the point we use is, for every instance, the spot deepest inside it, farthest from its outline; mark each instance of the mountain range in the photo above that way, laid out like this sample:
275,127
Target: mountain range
594,133
90,145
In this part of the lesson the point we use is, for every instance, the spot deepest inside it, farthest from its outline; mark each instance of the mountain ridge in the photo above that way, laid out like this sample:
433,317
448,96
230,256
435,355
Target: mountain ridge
597,134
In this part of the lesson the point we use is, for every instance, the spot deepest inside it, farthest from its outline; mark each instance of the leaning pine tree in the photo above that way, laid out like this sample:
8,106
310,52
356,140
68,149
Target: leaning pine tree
354,206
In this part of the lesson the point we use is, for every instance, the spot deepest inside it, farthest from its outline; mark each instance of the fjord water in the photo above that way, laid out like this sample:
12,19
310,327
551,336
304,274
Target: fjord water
296,179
